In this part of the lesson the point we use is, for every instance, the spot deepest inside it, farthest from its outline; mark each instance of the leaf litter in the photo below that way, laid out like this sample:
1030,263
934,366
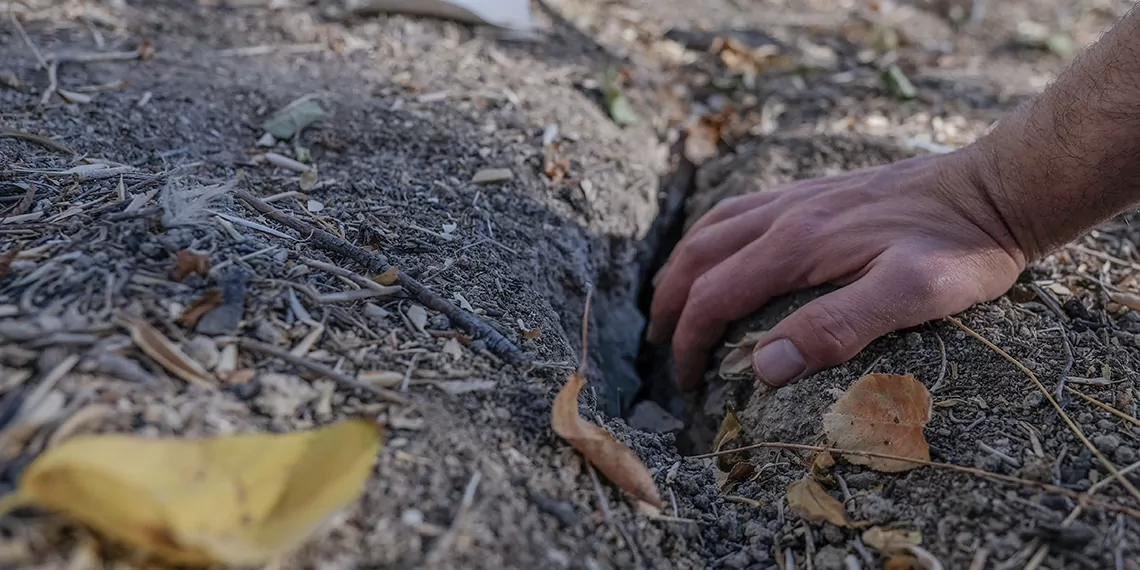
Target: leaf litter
811,501
239,499
882,413
614,459
155,345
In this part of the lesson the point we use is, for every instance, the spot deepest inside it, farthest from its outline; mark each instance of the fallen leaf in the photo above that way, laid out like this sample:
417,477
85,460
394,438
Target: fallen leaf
492,175
161,350
239,499
7,258
294,117
187,262
463,302
882,413
614,459
902,563
417,315
738,361
1130,300
529,334
202,305
453,349
740,472
891,540
729,430
388,277
809,499
822,460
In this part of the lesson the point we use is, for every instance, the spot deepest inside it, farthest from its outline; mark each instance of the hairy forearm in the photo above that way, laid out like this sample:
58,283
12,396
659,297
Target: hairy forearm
1071,158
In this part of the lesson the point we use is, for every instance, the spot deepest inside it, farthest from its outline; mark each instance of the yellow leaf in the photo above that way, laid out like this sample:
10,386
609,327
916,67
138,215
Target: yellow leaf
155,345
811,501
389,276
236,499
891,540
882,413
613,458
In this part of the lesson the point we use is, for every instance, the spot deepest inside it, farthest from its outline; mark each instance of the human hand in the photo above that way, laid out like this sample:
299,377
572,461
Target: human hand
909,242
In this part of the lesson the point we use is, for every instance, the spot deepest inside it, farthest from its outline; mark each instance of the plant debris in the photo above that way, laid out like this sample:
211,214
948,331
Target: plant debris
614,459
298,114
882,413
492,176
155,345
188,262
808,498
891,541
239,499
205,303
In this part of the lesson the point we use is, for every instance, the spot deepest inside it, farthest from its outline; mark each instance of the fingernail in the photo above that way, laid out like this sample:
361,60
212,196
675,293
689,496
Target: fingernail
778,362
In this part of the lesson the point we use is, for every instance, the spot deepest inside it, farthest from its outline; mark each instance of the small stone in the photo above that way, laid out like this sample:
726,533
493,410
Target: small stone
1106,442
878,509
204,350
1125,455
1106,425
376,313
268,333
833,535
738,560
412,517
913,340
830,558
1032,400
864,480
282,396
440,323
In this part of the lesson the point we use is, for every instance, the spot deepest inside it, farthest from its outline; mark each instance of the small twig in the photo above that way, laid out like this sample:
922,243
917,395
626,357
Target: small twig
465,503
496,342
338,377
605,506
38,139
960,468
408,373
352,276
53,83
1105,256
980,558
942,368
24,35
1104,406
1050,302
1064,416
1004,457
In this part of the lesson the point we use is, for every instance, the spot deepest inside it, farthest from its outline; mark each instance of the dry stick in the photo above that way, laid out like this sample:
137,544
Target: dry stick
338,377
24,35
1104,406
496,342
1068,421
970,470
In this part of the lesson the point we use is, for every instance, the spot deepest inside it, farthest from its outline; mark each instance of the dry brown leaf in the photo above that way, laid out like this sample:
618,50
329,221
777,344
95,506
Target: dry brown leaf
614,459
207,302
1130,300
809,499
902,563
882,413
529,334
155,345
6,259
891,540
729,430
189,262
740,472
822,460
389,276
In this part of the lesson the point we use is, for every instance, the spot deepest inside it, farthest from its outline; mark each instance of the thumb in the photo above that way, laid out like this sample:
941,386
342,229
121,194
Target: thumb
832,329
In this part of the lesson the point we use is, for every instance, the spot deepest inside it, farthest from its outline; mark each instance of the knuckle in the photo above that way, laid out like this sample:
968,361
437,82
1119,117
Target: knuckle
836,332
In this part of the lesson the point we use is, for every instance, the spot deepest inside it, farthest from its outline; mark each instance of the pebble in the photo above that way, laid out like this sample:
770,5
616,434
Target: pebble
830,558
832,534
1106,442
204,350
1032,400
913,340
1125,455
738,560
412,517
862,480
440,322
878,509
376,313
1106,425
